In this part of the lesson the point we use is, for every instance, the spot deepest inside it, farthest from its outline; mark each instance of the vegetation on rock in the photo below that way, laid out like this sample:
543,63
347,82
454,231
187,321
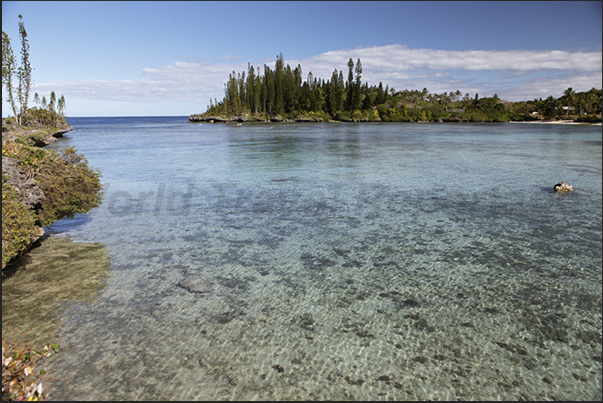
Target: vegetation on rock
18,224
69,185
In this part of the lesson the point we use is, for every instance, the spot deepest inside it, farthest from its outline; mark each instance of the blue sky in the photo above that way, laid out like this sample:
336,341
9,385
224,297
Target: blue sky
158,58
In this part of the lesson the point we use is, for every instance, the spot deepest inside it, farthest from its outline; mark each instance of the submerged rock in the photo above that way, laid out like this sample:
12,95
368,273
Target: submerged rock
563,187
196,285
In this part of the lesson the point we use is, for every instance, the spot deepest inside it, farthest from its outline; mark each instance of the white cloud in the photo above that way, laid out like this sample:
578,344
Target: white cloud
398,57
395,65
181,81
554,85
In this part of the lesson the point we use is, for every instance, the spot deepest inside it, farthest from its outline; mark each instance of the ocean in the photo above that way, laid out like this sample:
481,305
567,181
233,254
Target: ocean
345,261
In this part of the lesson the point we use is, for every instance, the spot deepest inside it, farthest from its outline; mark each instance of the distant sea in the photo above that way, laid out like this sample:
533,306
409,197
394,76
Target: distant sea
323,261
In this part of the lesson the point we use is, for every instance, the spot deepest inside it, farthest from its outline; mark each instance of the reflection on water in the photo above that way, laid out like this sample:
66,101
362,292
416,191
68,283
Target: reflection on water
57,273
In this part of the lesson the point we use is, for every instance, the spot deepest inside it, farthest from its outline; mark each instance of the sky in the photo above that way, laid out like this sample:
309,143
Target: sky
157,58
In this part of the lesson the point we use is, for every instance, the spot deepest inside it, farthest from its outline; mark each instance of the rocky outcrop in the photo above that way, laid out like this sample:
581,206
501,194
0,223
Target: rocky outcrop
29,193
36,133
563,187
305,119
208,119
20,179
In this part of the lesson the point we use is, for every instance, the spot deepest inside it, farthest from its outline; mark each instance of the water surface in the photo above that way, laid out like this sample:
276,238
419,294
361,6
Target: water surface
334,261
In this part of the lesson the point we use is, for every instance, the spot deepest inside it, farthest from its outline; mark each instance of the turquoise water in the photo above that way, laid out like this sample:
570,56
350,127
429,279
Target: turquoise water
330,261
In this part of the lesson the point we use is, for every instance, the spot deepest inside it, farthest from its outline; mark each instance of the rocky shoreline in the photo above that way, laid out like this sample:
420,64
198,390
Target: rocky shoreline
40,186
18,176
36,134
245,118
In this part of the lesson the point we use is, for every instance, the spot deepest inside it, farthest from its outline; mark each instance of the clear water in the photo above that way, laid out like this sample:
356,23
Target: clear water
324,261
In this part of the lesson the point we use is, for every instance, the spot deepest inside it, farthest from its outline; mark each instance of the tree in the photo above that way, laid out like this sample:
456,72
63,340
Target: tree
53,99
591,98
279,72
61,105
357,95
350,86
8,71
250,91
24,71
336,93
570,96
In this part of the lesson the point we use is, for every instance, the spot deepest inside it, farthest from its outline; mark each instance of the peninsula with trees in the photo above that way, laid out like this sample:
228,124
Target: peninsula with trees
281,94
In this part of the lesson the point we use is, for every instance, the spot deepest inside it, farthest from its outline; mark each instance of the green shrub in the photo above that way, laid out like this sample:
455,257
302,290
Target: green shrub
18,224
43,117
589,119
343,116
69,184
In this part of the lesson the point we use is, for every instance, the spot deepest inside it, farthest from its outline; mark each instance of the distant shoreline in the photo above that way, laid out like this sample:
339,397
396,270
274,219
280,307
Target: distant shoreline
558,122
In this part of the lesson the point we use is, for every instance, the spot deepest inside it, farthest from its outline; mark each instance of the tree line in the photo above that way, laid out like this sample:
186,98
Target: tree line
282,91
17,80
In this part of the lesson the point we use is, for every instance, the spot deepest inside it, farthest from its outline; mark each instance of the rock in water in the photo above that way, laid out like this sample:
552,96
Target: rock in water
563,187
195,284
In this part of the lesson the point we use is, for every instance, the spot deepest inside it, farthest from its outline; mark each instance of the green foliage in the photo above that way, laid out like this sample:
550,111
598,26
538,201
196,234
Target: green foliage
24,71
39,116
589,119
69,184
18,224
9,70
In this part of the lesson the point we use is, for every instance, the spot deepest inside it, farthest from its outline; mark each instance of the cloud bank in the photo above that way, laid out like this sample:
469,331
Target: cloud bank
512,74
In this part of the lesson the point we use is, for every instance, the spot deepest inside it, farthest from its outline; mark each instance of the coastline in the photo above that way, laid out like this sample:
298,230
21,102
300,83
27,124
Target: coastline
557,122
38,188
240,119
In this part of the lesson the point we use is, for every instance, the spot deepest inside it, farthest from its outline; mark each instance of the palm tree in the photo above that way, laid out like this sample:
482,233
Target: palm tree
570,95
591,98
581,100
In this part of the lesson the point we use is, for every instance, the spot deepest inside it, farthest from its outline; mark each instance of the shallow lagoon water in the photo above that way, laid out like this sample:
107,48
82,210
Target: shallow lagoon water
348,261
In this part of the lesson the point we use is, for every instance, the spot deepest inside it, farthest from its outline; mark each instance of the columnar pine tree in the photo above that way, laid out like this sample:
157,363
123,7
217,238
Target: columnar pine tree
279,103
350,86
51,103
24,72
61,106
357,95
8,71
